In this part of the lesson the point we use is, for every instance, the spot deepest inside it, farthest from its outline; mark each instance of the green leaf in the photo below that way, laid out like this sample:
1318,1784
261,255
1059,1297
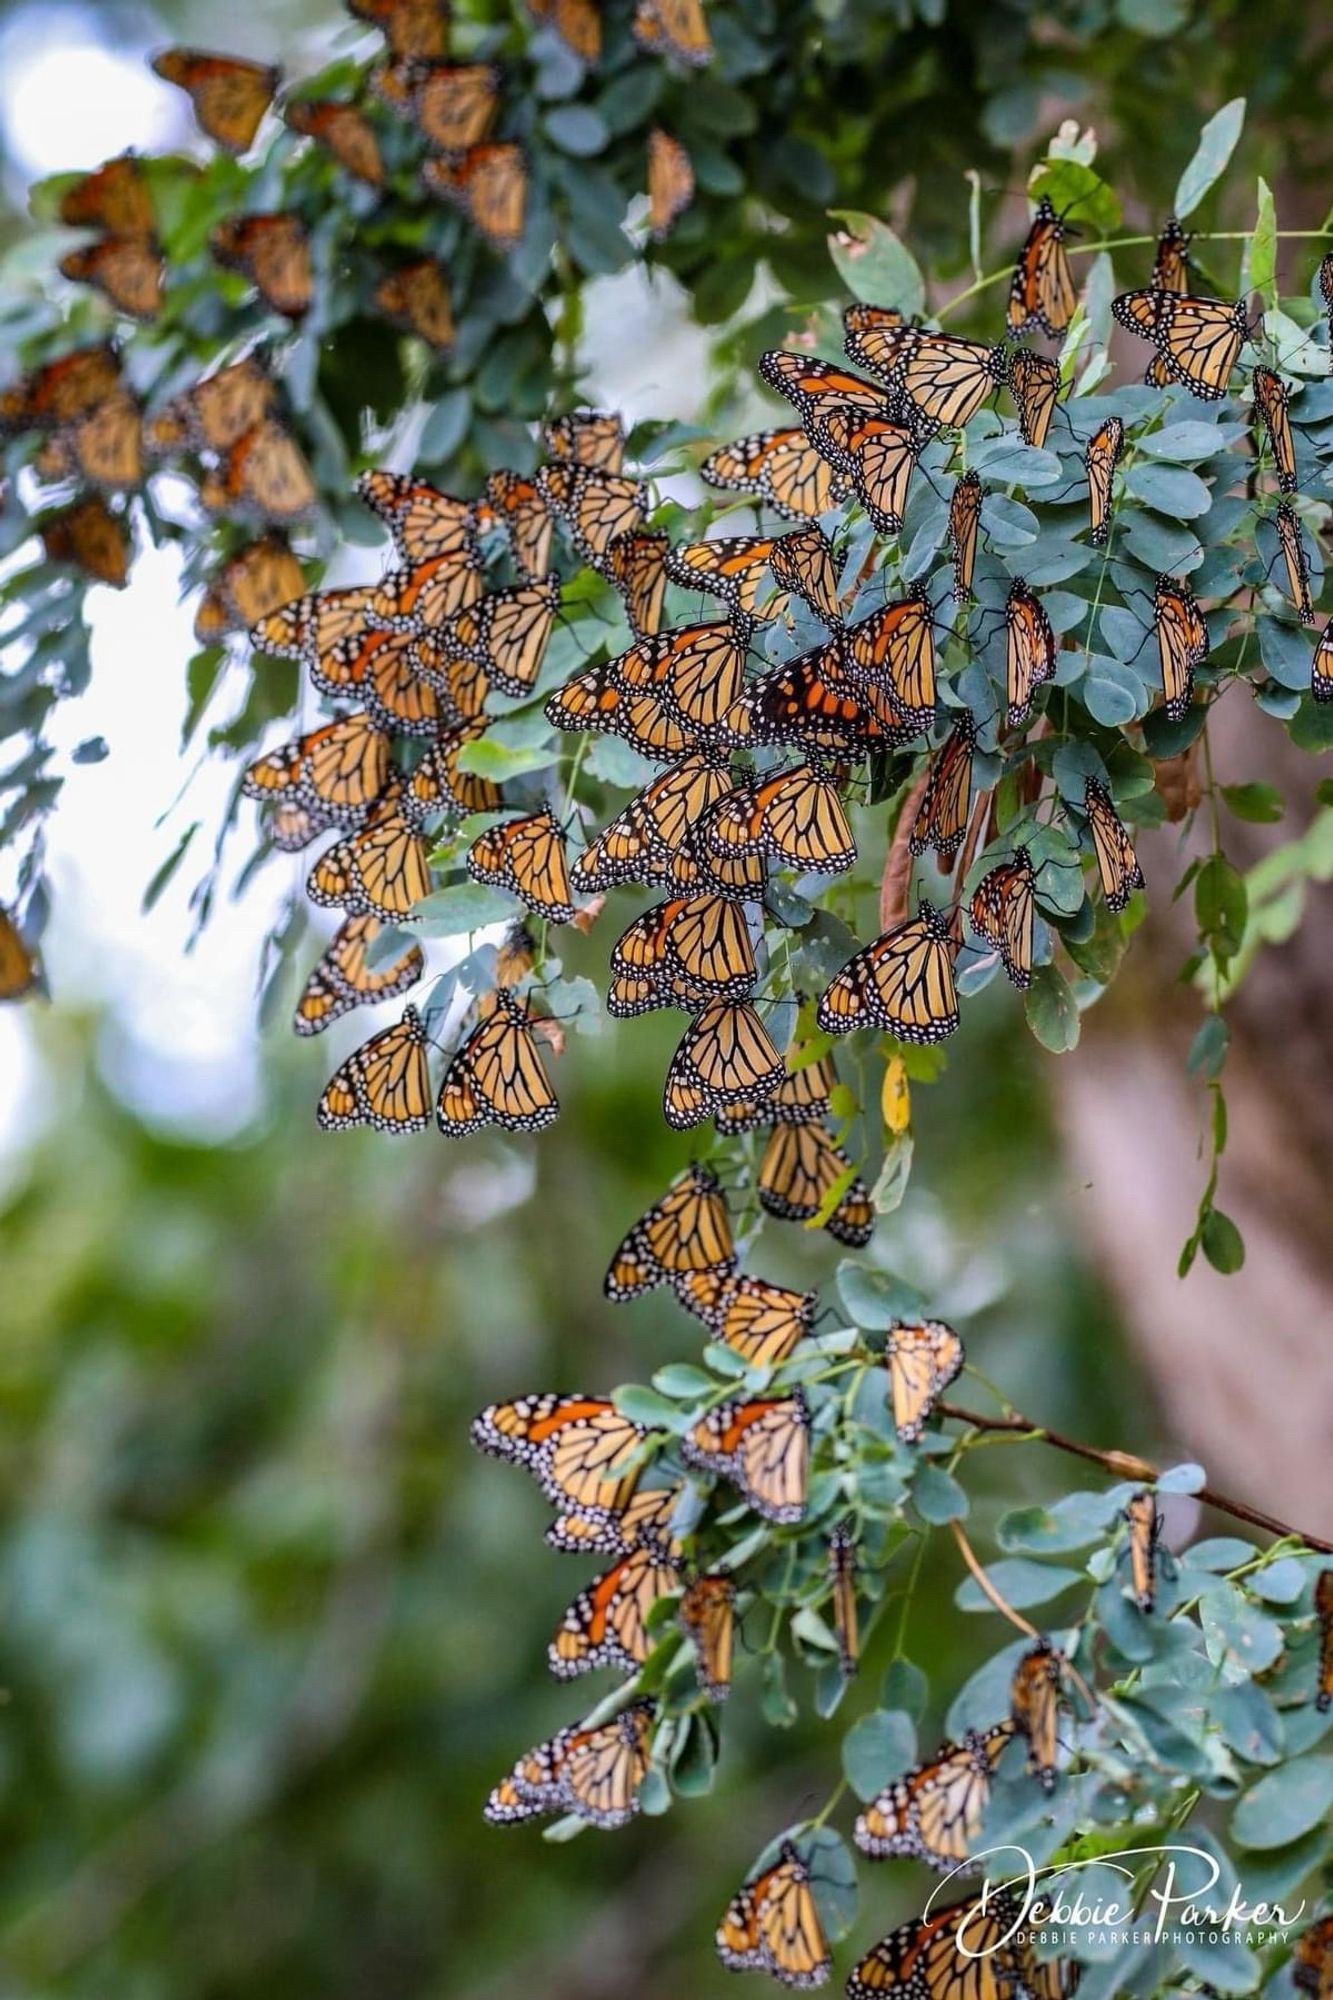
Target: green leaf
683,1382
776,1705
168,868
1217,142
1248,1722
1073,186
462,907
937,1496
1258,803
905,1687
576,129
1051,1011
445,427
1221,902
875,1299
1238,1634
1208,1051
644,1406
874,265
878,1747
1223,1245
1021,1583
832,1879
1259,261
1285,1804
1074,1522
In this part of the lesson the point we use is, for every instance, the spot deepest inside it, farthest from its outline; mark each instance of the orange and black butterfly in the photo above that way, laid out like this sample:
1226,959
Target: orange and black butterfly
1291,545
272,251
641,843
128,270
575,1447
91,537
818,388
61,390
577,22
454,104
497,1077
673,27
973,1950
1001,912
802,1170
606,1624
600,699
253,583
1100,457
636,564
18,967
842,1575
893,650
385,1084
815,702
880,456
731,567
964,524
416,30
229,96
1171,263
104,445
587,437
687,1232
934,1812
1197,340
415,298
670,182
795,817
1042,293
1323,1605
425,523
761,1447
522,513
1029,651
1117,863
941,819
1145,1528
803,1097
343,979
381,870
343,131
1034,382
725,1054
697,945
644,1520
310,626
383,670
527,857
1312,1960
923,1358
902,983
1035,1708
428,593
772,1925
1326,289
783,467
219,411
506,631
594,1771
338,771
116,198
1273,404
490,183
1182,641
264,473
708,1619
947,379
596,506
763,1322
1321,667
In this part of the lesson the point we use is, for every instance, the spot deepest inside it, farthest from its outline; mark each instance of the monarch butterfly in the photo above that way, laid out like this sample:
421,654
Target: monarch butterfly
385,1084
461,682
1182,641
727,566
490,183
1326,288
1145,1528
380,871
596,506
424,522
772,1925
1035,1708
1042,293
701,940
946,378
104,444
427,593
934,1812
1197,339
527,857
127,269
923,1358
1002,911
941,819
18,967
454,104
572,1446
842,1574
116,198
903,983
342,979
687,1231
340,770
802,1168
762,1447
802,1098
273,253
309,627
587,437
90,536
1312,1960
1171,264
670,182
415,298
343,131
599,699
697,670
257,580
1292,546
638,845
1034,380
525,518
604,1626
813,702
264,473
880,457
894,650
1100,458
1117,863
796,817
63,389
636,564
966,1951
725,1053
222,409
497,1077
819,388
416,30
964,522
593,1772
1321,667
1029,658
577,22
644,1521
708,1619
1323,1604
761,1321
507,631
1273,404
381,668
229,96
780,465
673,27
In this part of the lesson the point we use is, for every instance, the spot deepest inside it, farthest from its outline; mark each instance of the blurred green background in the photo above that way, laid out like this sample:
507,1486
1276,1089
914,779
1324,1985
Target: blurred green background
269,1630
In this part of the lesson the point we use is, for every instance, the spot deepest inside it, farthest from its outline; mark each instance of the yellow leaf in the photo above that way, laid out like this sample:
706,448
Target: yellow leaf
896,1096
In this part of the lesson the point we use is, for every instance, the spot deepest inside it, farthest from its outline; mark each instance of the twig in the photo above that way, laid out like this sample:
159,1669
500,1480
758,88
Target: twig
896,881
1126,1466
1002,1604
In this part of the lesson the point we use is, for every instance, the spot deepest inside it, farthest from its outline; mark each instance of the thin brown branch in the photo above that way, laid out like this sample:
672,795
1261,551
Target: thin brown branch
896,881
1125,1466
984,1583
